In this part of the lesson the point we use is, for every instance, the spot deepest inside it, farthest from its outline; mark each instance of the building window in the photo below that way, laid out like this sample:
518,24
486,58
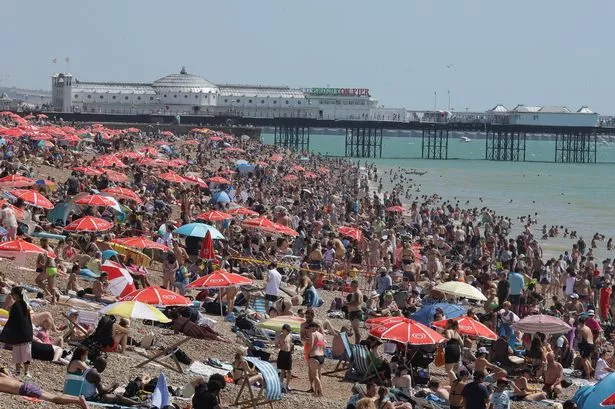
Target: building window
76,96
101,97
196,97
262,101
249,101
139,98
286,102
114,97
126,98
165,95
298,102
151,98
89,97
237,101
275,102
226,100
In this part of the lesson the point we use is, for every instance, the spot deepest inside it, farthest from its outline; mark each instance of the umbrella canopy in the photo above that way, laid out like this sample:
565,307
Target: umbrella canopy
109,161
115,176
407,331
290,178
206,251
88,171
426,313
96,200
545,324
395,209
351,232
260,223
157,296
89,224
135,310
173,178
199,230
32,198
276,158
219,278
469,326
242,211
140,243
120,280
107,254
459,289
214,216
221,197
122,193
20,214
600,395
18,245
276,323
281,229
220,180
16,181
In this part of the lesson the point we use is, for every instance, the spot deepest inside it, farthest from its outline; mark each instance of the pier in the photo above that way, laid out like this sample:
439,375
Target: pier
505,144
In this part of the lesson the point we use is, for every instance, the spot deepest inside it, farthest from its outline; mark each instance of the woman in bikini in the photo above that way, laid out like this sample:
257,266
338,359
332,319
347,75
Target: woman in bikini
456,399
317,357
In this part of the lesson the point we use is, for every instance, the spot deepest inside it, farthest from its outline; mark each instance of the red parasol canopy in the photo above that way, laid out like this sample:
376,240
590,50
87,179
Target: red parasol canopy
120,280
115,176
298,168
219,278
20,214
276,158
109,161
469,326
207,248
242,211
16,181
157,296
214,216
407,331
89,224
281,229
88,171
95,200
220,180
351,232
290,178
122,193
173,178
33,198
21,246
140,243
260,223
395,209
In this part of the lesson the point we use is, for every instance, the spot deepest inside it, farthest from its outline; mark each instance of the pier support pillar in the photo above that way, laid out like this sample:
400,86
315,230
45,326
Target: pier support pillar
293,137
363,142
435,143
505,145
575,146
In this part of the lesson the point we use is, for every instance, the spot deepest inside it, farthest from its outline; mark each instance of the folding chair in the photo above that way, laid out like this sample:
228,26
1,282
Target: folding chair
85,319
363,363
344,362
270,392
166,353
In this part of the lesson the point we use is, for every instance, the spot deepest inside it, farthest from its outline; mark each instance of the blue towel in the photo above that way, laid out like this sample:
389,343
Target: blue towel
161,397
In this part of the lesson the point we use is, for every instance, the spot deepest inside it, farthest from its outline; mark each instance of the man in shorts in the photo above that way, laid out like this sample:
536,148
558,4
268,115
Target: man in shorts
355,313
272,288
285,356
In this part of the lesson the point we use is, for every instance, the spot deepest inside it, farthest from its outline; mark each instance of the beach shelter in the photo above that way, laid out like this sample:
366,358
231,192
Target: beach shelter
267,393
407,331
469,326
221,197
199,230
157,296
33,198
120,280
600,395
426,313
459,289
89,224
545,324
59,214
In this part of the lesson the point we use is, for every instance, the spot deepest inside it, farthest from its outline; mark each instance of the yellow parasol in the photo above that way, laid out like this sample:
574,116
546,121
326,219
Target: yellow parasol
135,310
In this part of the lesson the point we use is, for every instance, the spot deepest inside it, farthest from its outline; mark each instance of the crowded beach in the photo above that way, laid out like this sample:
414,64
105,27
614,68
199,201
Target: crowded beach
203,269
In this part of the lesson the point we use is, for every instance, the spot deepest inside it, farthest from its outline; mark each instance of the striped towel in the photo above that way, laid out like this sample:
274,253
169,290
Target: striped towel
258,305
273,388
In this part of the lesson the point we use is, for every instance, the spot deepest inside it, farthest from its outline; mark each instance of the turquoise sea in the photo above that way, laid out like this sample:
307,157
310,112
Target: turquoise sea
577,196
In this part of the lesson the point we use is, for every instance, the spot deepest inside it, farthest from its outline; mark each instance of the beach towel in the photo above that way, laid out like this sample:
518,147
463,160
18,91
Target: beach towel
199,368
161,397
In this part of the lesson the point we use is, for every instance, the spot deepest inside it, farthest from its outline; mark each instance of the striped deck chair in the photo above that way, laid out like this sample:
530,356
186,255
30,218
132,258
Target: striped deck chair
258,305
364,365
270,392
344,362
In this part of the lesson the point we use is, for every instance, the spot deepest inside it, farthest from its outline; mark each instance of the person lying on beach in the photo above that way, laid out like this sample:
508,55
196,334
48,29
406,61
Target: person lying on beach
93,389
27,389
182,324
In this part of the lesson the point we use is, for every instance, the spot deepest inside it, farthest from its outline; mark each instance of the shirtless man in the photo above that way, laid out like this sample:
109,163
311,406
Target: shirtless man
285,357
586,346
482,364
15,387
522,390
354,309
553,376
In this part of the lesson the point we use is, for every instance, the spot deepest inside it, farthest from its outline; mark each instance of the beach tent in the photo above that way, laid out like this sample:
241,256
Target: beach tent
425,315
600,395
61,211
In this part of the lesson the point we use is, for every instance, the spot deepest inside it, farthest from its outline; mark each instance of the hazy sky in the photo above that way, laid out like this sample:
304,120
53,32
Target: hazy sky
534,52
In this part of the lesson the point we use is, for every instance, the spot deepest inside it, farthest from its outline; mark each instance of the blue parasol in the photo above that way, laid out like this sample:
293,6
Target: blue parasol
425,315
199,230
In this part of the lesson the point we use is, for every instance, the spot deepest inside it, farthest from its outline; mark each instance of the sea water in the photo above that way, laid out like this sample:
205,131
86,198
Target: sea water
579,197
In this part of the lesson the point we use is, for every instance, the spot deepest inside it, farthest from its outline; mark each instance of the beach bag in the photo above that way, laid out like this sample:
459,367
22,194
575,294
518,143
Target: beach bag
133,387
213,308
182,357
439,360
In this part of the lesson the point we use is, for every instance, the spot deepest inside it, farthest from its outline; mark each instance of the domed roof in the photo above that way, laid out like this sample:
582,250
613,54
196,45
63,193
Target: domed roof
184,82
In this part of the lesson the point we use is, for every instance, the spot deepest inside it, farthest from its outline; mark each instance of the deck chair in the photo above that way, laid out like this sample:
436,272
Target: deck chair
270,392
84,319
166,354
364,365
344,362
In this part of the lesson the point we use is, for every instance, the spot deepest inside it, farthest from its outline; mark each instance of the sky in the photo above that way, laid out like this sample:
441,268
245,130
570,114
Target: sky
546,52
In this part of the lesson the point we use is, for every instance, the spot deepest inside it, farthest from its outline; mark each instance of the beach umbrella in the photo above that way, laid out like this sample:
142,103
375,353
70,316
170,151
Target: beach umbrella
20,214
426,313
96,200
32,198
351,232
196,179
276,158
115,176
310,175
120,280
109,161
140,243
281,229
259,223
242,211
262,164
88,171
469,326
298,168
395,209
173,178
276,323
199,230
459,289
107,254
167,133
221,197
219,180
133,130
215,139
157,296
545,324
407,331
207,248
16,181
601,395
89,224
42,116
219,279
290,178
19,245
234,149
214,216
122,193
135,310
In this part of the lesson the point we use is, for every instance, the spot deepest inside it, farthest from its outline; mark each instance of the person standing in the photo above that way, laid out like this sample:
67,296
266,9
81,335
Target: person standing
586,346
517,284
9,221
272,288
452,350
355,314
285,356
18,332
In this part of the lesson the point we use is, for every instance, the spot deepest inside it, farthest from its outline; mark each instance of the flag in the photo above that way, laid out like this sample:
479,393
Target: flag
161,397
207,248
54,60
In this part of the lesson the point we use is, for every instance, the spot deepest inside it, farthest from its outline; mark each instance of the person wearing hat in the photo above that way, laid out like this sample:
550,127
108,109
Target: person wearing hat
482,364
285,356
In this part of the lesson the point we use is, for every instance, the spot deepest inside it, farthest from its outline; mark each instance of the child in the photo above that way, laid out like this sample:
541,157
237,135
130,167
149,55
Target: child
285,356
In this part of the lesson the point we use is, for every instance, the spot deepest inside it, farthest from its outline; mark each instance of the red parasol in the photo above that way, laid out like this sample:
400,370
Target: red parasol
469,326
407,331
242,211
197,180
310,175
21,246
120,280
285,230
140,243
218,279
89,224
148,150
207,248
395,209
351,232
214,216
216,138
109,161
88,171
16,181
122,193
173,178
276,158
157,296
116,177
95,200
20,214
290,178
133,130
32,198
220,180
260,223
234,149
298,168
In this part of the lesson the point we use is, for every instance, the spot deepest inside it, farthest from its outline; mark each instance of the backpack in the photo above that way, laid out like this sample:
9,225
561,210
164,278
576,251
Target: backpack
133,387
